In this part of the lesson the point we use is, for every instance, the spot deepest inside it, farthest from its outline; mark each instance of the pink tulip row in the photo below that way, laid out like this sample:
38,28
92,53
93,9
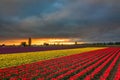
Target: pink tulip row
73,67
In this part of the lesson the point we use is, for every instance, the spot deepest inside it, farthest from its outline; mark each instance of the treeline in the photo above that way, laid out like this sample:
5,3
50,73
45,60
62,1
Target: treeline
101,44
109,43
24,44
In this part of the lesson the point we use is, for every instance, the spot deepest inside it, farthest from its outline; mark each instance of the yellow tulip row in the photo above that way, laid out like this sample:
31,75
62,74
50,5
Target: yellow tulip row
8,60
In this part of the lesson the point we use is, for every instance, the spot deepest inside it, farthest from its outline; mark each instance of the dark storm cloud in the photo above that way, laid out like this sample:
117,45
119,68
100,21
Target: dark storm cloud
86,20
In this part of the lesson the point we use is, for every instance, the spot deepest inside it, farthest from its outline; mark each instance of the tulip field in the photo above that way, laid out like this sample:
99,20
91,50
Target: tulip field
15,59
101,64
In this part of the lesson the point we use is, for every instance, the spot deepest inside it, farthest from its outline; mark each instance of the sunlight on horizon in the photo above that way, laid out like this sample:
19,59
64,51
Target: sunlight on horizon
40,41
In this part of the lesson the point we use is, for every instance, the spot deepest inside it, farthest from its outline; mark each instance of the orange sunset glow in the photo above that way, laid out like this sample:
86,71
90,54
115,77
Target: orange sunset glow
39,41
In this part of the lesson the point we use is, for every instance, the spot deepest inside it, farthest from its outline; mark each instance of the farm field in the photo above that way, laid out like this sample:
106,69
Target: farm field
7,60
103,64
20,49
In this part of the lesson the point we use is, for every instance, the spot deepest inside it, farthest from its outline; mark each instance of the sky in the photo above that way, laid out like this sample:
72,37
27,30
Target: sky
76,20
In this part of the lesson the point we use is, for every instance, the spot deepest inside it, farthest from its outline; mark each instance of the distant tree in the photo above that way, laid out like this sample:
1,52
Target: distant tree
110,43
29,41
104,43
117,43
76,43
23,44
46,44
13,45
3,45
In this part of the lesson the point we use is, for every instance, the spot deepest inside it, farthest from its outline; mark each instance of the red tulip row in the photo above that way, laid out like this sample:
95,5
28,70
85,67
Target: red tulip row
74,63
74,66
117,75
69,72
80,66
107,72
106,59
25,70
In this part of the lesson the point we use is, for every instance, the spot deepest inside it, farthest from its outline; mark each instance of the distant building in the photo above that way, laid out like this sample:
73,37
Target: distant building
29,42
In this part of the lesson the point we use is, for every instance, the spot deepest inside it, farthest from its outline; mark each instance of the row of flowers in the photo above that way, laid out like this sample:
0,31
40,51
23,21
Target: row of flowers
80,67
72,67
109,69
66,71
117,75
108,58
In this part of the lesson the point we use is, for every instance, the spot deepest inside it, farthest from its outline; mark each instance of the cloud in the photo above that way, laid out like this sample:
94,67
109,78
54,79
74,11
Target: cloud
88,20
